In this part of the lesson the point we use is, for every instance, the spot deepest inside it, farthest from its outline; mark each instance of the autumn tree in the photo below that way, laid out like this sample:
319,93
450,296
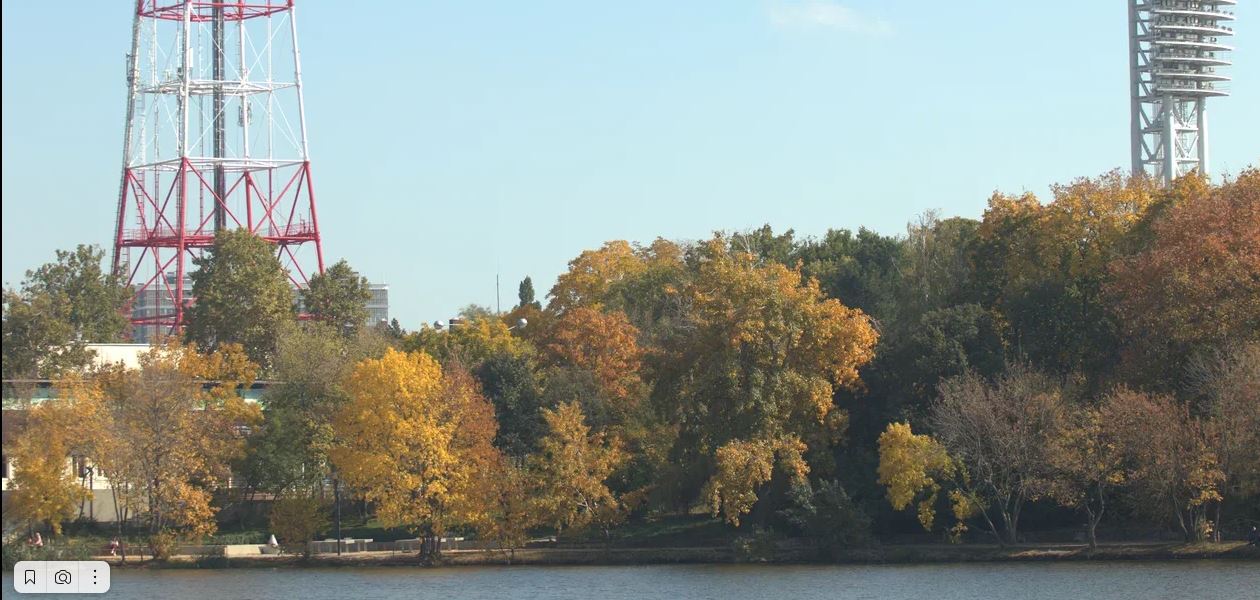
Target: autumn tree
572,467
1044,268
1168,459
1088,465
296,520
468,343
510,508
44,489
338,296
592,274
242,296
167,433
604,343
1000,434
755,363
410,439
1194,287
915,469
1228,386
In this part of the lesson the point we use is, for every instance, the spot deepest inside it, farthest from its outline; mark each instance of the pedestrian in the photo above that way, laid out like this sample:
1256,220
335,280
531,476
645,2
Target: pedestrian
37,540
1253,538
113,546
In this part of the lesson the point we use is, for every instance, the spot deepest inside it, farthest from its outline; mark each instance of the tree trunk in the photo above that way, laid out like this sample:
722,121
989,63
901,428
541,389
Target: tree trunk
1216,530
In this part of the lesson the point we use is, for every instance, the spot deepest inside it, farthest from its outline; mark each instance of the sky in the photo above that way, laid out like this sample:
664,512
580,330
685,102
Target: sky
453,141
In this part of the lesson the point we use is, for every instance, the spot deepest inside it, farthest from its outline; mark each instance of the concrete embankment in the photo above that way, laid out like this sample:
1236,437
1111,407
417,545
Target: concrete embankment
887,554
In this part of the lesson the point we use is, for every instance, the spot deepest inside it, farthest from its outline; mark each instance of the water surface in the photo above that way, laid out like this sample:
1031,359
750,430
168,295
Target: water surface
1201,580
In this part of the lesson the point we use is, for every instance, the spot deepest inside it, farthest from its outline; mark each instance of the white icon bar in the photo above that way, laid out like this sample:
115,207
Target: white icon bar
61,577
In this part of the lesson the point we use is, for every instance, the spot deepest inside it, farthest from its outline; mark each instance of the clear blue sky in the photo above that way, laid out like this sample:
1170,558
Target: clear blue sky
454,140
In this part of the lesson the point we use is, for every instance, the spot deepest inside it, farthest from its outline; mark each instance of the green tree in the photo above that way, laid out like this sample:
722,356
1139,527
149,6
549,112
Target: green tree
87,296
289,453
510,383
242,296
525,294
338,296
62,306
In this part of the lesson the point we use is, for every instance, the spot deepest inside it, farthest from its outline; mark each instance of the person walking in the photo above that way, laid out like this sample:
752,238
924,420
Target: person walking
113,546
1253,538
37,540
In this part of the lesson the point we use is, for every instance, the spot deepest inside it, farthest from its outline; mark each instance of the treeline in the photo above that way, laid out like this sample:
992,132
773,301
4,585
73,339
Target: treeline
1091,359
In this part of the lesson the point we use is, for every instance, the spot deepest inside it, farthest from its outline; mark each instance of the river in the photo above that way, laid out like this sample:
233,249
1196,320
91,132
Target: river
1200,580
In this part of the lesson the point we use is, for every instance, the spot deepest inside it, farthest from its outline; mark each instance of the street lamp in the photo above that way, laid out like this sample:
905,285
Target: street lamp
337,502
520,323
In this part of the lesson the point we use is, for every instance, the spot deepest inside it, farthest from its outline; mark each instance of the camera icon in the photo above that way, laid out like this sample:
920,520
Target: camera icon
61,577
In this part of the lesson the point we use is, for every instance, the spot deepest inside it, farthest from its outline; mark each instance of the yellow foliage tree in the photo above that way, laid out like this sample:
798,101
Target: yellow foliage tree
411,439
572,468
743,467
913,466
763,354
592,273
167,433
44,489
469,343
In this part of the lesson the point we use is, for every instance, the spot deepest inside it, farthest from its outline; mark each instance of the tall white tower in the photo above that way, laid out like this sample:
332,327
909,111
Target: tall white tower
1175,51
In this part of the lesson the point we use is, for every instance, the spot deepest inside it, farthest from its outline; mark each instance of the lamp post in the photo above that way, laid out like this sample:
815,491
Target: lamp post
337,503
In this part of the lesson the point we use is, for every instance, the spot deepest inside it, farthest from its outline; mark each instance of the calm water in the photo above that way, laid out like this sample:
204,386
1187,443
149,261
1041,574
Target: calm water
1076,581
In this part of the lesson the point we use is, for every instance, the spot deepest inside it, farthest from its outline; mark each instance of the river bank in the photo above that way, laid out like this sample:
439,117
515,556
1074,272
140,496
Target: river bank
883,554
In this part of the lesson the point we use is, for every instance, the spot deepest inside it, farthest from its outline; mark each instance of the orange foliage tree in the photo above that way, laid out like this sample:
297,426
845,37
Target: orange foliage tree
1196,285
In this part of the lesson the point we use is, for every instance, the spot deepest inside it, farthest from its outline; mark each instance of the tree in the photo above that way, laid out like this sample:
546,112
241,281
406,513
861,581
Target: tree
1228,386
1088,464
511,510
604,343
525,294
755,361
999,434
510,383
167,433
338,296
468,343
87,296
1193,288
242,296
1044,268
296,520
1167,456
44,490
862,270
289,452
411,438
917,467
61,306
572,467
743,467
592,274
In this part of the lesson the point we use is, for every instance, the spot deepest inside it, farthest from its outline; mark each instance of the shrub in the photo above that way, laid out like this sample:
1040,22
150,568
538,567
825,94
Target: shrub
296,520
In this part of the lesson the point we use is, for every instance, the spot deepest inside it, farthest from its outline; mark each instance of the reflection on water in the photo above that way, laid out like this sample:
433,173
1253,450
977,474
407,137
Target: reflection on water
1206,580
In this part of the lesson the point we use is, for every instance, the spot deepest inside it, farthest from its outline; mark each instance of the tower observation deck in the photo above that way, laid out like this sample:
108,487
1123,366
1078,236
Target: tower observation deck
1177,60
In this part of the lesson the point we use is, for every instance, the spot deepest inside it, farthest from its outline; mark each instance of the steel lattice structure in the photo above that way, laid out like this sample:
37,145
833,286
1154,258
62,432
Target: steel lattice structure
1175,50
215,138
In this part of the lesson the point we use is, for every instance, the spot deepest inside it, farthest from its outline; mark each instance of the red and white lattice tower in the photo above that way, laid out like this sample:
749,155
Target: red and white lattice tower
215,138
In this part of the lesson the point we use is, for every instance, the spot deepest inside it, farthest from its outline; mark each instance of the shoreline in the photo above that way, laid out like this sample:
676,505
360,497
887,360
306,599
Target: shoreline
874,555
